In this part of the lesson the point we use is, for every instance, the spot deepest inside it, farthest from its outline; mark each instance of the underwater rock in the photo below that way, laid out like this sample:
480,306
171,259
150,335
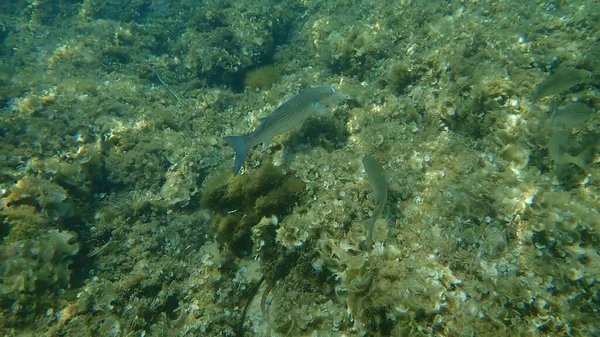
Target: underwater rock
35,267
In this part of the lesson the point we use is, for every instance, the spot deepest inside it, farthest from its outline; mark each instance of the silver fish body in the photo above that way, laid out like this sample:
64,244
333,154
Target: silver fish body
560,81
288,116
557,146
378,180
571,114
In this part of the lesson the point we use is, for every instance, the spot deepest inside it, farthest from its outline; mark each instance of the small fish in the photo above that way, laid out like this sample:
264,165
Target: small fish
378,180
572,114
561,80
288,116
557,149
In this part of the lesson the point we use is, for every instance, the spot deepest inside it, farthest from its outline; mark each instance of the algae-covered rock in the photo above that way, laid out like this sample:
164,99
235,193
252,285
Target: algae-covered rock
23,222
180,185
240,202
50,198
33,270
112,115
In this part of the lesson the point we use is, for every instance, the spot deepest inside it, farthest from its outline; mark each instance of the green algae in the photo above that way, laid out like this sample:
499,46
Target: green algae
241,202
262,78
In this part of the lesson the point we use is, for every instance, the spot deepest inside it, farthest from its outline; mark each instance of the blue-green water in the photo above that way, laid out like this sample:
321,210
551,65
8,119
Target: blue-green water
120,216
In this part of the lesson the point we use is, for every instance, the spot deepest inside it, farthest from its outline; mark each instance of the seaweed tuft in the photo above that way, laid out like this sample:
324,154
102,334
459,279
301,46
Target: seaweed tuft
241,202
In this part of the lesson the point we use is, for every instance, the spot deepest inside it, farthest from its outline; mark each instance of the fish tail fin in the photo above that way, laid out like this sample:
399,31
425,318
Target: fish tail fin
370,228
241,146
584,159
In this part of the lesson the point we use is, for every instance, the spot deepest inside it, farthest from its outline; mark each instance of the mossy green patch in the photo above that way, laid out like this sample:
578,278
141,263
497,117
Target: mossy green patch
22,222
240,203
398,77
262,78
327,132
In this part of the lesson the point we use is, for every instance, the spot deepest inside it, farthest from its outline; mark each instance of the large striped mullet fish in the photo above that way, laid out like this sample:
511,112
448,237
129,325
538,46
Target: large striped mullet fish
288,116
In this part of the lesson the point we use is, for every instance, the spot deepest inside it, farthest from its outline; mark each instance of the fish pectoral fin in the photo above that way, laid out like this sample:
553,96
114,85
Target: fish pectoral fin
266,143
321,109
298,127
262,120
